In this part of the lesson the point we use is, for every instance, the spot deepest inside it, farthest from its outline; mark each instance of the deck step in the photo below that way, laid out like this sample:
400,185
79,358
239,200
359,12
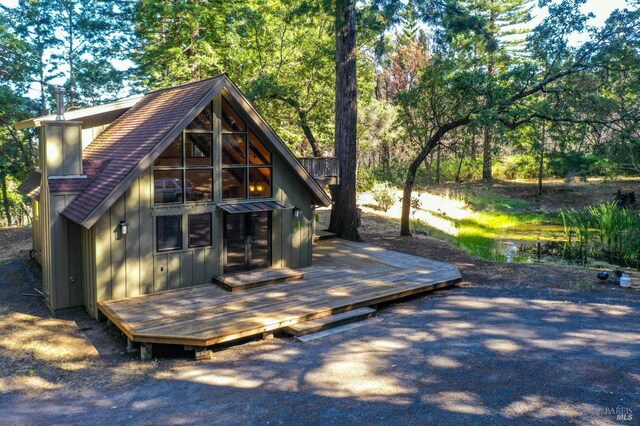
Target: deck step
251,279
323,235
314,326
336,330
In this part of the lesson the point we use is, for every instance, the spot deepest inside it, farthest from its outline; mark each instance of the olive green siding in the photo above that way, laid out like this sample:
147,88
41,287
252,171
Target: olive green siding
36,231
59,239
83,266
129,265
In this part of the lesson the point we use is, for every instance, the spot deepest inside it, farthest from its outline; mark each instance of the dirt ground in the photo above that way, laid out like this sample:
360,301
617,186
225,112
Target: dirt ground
556,194
523,344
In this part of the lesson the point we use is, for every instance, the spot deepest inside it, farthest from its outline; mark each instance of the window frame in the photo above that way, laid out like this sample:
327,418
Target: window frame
199,246
184,168
157,232
247,166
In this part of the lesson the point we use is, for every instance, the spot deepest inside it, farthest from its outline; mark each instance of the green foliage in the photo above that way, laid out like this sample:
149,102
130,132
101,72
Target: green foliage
518,167
492,202
366,179
385,195
603,232
562,164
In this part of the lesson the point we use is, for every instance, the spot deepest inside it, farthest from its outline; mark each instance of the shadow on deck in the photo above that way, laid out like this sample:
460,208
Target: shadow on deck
344,276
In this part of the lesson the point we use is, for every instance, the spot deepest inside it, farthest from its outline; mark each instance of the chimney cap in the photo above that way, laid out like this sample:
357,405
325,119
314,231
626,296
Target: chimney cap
60,91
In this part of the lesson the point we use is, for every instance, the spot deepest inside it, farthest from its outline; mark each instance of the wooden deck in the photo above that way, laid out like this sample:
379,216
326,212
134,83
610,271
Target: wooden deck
345,276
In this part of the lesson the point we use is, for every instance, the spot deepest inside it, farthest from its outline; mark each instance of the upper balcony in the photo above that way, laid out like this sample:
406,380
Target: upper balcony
325,170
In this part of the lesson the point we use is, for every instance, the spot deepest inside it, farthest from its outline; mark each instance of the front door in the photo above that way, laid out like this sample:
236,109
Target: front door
247,241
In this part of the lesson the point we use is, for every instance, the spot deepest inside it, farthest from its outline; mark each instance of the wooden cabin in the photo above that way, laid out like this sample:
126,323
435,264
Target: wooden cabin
165,191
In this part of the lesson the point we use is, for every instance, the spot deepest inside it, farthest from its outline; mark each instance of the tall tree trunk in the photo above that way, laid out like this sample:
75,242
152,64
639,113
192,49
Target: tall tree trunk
541,165
487,160
385,157
407,191
459,170
5,198
438,162
344,215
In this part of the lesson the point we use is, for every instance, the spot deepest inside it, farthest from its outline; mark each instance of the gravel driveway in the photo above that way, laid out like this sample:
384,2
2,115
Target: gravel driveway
475,354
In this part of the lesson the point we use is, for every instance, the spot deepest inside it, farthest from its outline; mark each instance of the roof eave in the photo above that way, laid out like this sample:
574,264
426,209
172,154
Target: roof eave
123,104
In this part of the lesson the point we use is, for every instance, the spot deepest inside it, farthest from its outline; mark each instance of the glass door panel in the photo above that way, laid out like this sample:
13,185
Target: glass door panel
260,240
235,243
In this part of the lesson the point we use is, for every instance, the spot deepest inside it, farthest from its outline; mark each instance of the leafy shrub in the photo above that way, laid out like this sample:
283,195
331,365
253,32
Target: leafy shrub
518,167
366,179
561,164
385,195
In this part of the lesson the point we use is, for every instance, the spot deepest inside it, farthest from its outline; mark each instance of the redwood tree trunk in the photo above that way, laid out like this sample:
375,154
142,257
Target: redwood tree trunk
344,215
487,160
5,198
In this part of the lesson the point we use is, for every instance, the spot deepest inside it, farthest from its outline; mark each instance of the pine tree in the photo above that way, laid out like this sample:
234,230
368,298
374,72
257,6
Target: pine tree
498,46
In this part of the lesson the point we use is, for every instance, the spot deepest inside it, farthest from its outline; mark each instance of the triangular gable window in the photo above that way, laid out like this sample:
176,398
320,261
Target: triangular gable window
246,161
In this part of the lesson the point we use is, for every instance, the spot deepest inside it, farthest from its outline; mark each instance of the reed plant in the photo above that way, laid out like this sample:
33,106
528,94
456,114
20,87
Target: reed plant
603,232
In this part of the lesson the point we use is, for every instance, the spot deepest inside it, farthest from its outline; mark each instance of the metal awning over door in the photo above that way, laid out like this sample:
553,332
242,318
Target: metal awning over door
254,207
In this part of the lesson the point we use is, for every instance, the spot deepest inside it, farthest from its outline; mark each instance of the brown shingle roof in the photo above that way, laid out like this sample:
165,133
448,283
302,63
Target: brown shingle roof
129,140
31,186
132,142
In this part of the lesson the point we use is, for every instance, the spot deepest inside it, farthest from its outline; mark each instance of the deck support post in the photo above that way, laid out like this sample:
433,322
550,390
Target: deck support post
146,351
267,335
131,346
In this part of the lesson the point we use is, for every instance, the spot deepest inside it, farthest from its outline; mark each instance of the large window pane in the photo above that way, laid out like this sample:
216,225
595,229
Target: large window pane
199,185
168,233
234,149
231,121
167,186
203,120
172,156
233,183
198,149
258,153
200,230
259,182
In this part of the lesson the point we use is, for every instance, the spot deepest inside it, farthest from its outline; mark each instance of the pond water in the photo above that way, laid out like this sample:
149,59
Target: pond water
503,239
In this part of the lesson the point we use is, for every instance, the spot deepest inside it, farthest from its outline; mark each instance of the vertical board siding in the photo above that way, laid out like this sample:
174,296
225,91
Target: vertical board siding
132,239
174,267
161,272
146,224
118,251
129,266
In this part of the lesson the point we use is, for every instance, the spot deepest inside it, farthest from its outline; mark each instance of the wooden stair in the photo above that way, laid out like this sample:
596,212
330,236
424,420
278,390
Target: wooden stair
252,279
323,234
314,326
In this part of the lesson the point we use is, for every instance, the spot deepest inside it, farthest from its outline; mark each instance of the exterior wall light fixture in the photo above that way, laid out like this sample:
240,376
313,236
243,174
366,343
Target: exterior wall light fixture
124,227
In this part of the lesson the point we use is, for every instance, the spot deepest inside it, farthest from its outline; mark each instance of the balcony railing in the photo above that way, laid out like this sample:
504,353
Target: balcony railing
326,170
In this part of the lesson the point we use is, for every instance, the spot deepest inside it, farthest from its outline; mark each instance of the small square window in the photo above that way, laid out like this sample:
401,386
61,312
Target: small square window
234,183
167,186
234,149
259,182
199,185
168,233
198,149
199,230
172,156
